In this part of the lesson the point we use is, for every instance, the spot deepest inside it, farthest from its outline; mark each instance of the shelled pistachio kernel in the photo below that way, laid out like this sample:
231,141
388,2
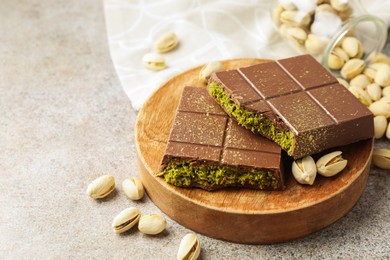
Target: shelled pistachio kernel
381,158
331,164
133,188
189,248
352,68
166,42
380,124
154,61
126,219
208,69
304,170
152,224
101,187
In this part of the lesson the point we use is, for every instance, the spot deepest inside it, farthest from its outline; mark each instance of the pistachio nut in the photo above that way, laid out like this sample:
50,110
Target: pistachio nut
380,124
339,5
352,68
378,57
133,188
341,53
154,61
189,248
353,47
296,35
360,94
331,164
380,108
360,81
386,91
314,44
343,82
388,131
382,76
381,158
370,73
385,99
295,18
288,5
276,12
304,170
152,224
345,15
126,219
374,91
101,187
335,62
208,69
166,42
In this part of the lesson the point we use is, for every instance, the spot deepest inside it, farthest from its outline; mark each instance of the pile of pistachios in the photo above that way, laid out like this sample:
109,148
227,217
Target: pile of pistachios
150,224
310,24
166,43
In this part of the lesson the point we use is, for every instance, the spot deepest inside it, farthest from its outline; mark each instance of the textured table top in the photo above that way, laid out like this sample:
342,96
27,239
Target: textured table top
65,120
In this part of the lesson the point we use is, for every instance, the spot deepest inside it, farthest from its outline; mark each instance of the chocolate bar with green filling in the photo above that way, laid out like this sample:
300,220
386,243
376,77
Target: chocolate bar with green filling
207,149
294,102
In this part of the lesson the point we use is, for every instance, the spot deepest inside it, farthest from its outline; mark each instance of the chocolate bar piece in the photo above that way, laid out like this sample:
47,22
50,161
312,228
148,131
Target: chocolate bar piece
207,149
294,102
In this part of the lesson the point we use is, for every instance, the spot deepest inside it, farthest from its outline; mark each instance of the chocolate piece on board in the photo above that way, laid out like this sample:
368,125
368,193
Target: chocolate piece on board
207,149
294,102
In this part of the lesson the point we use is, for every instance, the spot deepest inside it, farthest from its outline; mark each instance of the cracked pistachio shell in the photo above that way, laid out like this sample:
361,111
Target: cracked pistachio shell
343,82
101,187
276,12
380,124
297,35
331,164
381,158
126,219
335,62
360,81
341,53
378,57
382,76
295,18
352,68
380,108
386,91
360,94
152,224
189,248
339,5
304,170
208,69
166,42
353,47
388,131
314,44
154,61
374,91
133,188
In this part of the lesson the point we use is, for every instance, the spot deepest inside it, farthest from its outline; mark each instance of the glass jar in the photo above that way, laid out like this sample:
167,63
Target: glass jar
306,36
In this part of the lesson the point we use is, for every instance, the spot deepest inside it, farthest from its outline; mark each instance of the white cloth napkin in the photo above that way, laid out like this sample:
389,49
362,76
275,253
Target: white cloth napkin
208,30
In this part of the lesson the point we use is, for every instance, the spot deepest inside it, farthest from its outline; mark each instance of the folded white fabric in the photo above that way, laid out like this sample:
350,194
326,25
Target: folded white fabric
208,30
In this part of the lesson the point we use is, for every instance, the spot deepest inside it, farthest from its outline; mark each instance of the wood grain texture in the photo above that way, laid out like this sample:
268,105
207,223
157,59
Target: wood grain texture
243,216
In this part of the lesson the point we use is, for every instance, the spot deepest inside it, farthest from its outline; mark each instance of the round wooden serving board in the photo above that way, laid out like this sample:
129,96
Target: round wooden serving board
242,215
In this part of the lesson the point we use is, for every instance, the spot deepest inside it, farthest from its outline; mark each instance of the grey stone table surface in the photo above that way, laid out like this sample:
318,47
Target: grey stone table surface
64,120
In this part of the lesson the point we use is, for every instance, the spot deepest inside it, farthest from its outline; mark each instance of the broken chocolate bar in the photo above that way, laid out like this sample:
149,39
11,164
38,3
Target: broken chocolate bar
294,102
207,149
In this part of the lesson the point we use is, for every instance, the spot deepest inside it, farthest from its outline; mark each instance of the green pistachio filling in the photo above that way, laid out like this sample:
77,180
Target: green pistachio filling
252,121
185,174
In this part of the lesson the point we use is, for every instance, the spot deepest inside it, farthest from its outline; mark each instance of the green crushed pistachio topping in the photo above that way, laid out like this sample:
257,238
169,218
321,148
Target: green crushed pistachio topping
185,174
252,121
